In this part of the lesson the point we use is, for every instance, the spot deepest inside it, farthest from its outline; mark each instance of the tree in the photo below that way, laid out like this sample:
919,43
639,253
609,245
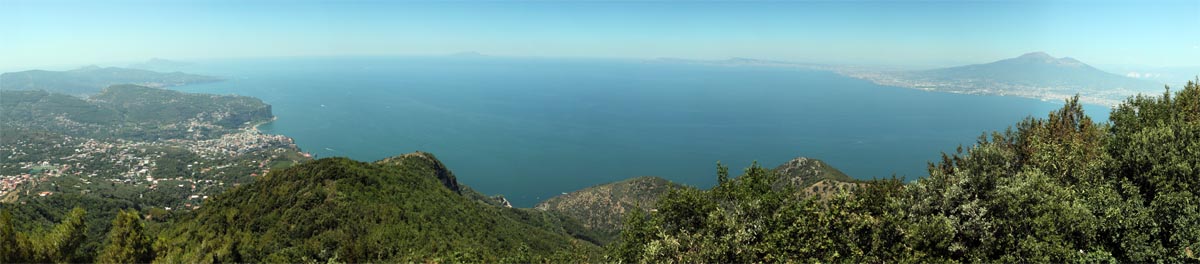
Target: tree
1157,155
722,174
16,246
127,241
635,234
61,245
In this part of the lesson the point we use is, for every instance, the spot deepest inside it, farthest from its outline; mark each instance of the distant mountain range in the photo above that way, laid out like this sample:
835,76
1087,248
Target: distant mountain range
91,79
1033,75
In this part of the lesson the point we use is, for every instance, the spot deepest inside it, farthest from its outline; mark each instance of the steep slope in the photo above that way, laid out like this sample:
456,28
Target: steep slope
423,159
602,207
396,210
446,177
91,79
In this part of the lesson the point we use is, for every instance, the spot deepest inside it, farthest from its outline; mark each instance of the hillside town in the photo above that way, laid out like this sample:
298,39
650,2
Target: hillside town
34,164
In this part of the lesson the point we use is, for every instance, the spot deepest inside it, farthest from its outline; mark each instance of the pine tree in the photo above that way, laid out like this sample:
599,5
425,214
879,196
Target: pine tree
15,246
722,174
127,241
63,242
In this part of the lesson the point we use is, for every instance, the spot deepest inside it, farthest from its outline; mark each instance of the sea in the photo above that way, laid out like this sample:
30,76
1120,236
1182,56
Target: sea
533,128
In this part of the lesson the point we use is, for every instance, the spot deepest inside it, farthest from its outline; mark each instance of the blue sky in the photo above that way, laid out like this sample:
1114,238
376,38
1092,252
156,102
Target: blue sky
923,33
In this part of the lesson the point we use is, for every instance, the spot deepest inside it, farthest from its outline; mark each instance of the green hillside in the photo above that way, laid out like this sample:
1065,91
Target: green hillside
344,210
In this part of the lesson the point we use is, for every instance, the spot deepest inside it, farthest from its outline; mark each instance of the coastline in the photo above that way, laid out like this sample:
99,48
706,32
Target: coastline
1031,92
254,127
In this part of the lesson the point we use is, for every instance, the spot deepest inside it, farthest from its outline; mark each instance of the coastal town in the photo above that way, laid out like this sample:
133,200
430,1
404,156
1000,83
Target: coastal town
135,145
34,164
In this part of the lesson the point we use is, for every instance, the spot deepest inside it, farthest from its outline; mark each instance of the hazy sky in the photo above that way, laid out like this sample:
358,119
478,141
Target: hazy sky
71,33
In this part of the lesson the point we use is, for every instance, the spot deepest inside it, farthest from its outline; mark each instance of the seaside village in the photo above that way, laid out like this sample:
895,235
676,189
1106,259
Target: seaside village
187,169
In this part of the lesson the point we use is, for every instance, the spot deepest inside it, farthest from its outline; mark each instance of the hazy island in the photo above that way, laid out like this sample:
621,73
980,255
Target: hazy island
91,79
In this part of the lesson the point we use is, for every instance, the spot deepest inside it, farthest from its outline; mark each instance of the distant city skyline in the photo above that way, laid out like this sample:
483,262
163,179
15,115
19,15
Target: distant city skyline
916,33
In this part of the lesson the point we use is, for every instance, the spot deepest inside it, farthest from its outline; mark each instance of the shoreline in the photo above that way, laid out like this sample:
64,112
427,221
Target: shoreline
292,141
254,127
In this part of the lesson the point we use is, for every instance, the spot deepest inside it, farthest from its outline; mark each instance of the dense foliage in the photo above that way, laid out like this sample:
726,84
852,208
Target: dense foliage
60,244
336,209
127,242
331,210
40,214
1057,189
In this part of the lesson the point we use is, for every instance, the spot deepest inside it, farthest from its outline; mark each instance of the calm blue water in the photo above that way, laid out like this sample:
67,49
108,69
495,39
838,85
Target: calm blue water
532,128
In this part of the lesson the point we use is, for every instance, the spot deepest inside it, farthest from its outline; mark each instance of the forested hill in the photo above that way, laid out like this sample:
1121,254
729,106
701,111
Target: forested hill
338,209
90,80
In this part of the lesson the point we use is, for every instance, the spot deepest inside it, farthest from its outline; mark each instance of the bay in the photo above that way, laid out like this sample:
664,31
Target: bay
531,128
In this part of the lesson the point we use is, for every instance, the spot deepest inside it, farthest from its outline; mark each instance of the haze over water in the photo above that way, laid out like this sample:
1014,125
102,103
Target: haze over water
531,128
